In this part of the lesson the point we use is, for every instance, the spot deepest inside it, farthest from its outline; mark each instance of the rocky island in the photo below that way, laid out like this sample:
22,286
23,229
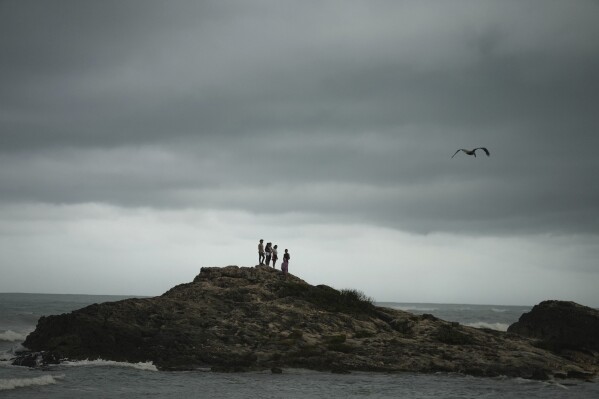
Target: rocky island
250,318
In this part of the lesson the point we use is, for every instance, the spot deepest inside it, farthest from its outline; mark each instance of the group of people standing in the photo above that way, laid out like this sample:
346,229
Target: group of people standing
269,252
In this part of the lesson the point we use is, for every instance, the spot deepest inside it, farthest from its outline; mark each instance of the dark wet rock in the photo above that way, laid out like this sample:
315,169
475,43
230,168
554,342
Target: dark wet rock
36,359
560,325
428,316
234,319
540,375
403,326
580,374
451,334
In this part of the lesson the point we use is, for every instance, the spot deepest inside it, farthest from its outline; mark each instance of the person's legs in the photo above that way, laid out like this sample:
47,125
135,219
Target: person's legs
284,268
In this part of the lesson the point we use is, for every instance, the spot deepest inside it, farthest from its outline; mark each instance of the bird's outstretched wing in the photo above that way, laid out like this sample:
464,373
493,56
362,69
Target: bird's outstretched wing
456,153
484,149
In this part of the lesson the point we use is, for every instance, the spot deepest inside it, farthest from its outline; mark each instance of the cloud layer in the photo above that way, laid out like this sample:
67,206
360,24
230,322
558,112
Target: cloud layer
344,112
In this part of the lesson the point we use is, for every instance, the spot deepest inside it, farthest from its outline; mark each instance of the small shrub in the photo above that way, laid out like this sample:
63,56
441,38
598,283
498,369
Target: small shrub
349,301
356,297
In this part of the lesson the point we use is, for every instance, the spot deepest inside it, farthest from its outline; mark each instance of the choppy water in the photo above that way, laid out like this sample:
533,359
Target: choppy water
104,379
479,316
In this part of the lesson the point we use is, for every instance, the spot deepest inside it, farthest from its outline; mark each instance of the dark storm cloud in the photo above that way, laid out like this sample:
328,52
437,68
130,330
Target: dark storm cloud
346,109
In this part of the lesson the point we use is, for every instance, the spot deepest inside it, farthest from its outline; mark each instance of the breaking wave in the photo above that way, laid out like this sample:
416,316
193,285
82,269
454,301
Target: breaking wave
415,308
148,366
492,326
12,383
12,336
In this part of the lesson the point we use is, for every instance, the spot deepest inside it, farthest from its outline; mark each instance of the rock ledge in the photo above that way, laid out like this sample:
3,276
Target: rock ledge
250,318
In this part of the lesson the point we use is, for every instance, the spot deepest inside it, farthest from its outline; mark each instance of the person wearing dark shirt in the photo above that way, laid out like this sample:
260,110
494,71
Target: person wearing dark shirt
285,264
261,253
268,251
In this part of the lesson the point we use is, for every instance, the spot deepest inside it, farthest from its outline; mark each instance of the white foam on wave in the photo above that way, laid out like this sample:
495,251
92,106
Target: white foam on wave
13,383
13,336
5,356
10,353
414,308
527,381
147,366
492,326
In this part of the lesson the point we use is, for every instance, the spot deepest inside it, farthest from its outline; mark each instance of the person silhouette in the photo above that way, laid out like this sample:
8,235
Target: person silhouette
268,251
274,256
261,253
285,264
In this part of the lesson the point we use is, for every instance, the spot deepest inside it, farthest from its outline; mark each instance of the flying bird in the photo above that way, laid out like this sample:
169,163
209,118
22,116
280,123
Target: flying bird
472,152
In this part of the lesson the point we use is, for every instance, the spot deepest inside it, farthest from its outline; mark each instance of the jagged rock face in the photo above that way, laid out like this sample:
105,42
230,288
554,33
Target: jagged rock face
244,318
561,325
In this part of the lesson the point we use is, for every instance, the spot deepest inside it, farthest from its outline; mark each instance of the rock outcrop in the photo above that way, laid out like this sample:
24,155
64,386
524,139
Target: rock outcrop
250,318
566,328
561,325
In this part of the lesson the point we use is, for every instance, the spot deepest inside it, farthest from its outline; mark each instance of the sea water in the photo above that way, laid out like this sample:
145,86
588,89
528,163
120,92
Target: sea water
98,378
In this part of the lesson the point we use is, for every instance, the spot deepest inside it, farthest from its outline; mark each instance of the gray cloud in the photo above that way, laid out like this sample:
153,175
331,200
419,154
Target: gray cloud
350,111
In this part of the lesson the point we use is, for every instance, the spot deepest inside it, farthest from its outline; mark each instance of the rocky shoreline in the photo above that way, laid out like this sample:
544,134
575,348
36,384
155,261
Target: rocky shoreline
250,318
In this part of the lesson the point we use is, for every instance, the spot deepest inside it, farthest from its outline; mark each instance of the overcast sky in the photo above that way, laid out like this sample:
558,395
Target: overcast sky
142,140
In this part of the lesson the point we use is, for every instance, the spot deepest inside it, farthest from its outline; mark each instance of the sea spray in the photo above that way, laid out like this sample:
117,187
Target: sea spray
13,336
13,383
147,366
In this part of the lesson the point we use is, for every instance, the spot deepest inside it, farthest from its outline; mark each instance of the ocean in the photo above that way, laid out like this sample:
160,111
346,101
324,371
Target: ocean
98,378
